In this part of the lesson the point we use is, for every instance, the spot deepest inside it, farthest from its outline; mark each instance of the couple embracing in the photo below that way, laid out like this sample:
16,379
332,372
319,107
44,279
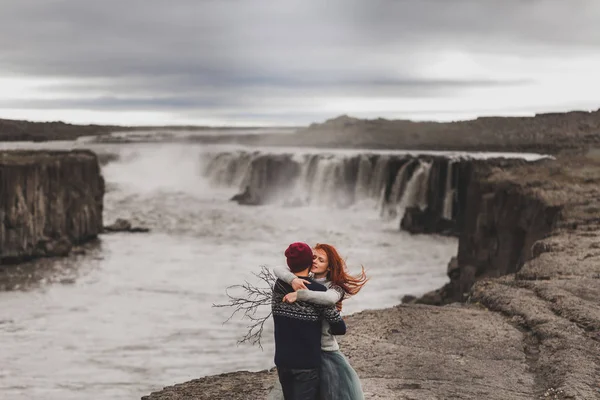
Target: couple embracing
306,313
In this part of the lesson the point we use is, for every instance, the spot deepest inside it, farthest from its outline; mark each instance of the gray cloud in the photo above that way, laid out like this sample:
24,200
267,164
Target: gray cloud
189,54
191,93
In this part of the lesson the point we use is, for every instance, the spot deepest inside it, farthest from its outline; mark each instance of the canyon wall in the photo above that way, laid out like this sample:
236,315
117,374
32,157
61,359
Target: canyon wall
500,220
49,201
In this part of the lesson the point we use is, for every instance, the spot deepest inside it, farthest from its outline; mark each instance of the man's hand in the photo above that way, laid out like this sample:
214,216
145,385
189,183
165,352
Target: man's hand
299,283
290,297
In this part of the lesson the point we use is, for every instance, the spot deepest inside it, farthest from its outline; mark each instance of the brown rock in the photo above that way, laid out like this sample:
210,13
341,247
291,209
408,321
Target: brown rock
246,198
433,298
453,269
60,248
408,299
123,225
49,200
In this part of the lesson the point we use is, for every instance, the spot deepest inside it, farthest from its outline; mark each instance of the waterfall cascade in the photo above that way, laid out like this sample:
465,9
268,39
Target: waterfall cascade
391,183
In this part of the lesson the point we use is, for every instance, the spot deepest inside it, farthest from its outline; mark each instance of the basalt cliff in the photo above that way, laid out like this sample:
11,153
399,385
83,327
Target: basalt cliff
49,202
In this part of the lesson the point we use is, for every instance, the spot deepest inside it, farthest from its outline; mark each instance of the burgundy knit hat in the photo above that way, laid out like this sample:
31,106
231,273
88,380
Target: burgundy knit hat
299,256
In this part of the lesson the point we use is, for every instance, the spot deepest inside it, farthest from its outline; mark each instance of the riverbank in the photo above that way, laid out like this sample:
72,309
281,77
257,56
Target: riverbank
530,334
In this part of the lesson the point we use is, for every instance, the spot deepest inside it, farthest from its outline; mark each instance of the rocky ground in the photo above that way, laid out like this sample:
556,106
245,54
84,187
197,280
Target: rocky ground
534,334
408,352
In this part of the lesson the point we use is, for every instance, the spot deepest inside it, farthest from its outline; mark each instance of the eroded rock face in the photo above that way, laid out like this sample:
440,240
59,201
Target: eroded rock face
416,220
267,176
246,198
499,222
49,201
447,188
499,233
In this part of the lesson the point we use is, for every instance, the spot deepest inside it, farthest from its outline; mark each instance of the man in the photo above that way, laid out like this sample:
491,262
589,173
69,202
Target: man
298,330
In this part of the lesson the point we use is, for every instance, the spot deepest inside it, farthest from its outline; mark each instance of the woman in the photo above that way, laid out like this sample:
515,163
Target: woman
338,378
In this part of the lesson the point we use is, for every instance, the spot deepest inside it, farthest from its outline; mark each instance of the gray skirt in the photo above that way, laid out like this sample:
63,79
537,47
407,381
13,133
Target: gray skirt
339,381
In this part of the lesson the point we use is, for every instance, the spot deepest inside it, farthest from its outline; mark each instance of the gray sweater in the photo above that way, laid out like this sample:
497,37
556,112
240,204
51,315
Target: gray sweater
328,298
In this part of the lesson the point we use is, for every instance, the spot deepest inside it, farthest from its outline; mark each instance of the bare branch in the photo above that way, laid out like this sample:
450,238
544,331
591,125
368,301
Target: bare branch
249,302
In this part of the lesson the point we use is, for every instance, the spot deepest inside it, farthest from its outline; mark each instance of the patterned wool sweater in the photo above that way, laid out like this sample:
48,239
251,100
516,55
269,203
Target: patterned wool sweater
329,298
298,328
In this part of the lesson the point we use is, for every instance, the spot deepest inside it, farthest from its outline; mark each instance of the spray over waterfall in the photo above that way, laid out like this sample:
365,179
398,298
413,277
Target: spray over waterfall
394,184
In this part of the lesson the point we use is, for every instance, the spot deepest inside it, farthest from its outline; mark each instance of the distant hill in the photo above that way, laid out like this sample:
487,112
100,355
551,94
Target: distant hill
540,132
13,130
16,130
549,132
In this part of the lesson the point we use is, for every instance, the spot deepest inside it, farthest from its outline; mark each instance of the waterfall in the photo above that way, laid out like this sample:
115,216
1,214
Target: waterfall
226,169
323,182
391,208
300,193
448,193
325,179
378,177
363,179
391,182
417,184
422,196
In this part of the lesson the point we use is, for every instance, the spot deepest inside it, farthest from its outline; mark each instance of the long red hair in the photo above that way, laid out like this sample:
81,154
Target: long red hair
338,273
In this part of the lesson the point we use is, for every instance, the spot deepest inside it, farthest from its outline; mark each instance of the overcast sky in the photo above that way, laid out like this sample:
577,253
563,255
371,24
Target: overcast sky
292,62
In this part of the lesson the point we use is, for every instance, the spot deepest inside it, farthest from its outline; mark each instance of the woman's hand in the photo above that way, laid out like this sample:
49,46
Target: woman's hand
290,297
299,283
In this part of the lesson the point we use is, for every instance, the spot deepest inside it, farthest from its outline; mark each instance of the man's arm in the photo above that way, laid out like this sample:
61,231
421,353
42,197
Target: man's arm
290,278
337,326
317,287
312,287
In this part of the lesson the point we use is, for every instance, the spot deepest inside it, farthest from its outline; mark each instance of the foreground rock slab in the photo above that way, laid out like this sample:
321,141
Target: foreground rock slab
408,352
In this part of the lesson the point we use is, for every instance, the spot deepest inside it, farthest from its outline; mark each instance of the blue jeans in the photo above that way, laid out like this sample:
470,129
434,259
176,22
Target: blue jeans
299,384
